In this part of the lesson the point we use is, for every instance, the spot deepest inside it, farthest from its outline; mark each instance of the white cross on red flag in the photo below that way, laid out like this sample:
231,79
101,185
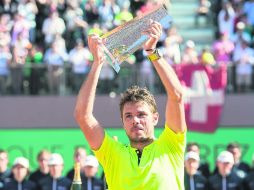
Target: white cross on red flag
204,88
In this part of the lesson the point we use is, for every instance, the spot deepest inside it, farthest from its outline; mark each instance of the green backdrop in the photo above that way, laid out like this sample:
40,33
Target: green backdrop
28,142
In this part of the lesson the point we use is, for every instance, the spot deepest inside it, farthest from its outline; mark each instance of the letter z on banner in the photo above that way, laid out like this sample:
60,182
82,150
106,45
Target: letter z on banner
204,88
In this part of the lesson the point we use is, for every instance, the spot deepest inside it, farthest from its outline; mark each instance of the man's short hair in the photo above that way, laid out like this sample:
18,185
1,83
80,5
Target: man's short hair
233,145
43,151
78,149
190,144
3,151
138,94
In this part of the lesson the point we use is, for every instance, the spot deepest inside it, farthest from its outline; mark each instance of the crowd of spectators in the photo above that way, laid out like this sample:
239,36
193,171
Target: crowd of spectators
229,173
49,174
43,46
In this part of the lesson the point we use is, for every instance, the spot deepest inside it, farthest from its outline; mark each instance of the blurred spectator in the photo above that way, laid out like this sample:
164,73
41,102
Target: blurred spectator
29,9
20,52
20,170
36,71
58,5
80,58
5,58
80,157
206,57
106,78
123,16
148,6
27,72
95,29
20,28
126,75
43,170
203,10
91,12
8,7
239,15
241,34
248,9
223,49
5,173
193,180
248,182
203,166
225,178
171,49
226,19
55,180
248,27
243,57
55,58
59,41
43,12
216,6
90,181
75,25
135,6
190,55
241,167
5,30
107,11
52,26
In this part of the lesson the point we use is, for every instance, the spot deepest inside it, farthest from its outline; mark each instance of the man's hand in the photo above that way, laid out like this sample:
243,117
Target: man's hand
95,46
153,32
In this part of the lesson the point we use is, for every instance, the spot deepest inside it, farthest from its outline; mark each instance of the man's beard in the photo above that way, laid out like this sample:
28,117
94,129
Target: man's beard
139,140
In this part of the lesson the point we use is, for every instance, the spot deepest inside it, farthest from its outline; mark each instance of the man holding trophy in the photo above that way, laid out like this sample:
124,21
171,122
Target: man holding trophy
147,163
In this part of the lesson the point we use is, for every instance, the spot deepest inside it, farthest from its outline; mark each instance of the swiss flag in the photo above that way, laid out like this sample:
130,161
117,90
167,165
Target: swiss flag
204,88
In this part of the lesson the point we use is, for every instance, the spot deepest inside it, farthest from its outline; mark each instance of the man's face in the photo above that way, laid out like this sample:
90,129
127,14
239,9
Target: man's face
19,172
3,161
236,153
224,168
80,156
56,171
139,121
90,171
43,161
191,166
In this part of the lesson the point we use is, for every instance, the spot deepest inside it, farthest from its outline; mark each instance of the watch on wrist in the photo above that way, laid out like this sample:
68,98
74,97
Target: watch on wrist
156,55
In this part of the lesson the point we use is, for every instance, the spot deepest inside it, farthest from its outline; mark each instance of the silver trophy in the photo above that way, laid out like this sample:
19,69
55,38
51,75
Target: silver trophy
124,40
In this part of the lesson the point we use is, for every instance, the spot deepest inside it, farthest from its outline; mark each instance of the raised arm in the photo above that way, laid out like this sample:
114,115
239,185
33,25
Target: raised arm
83,113
175,117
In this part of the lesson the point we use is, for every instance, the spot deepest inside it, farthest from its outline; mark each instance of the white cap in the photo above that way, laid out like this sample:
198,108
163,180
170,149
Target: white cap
192,155
240,25
225,157
91,161
21,161
56,159
190,44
